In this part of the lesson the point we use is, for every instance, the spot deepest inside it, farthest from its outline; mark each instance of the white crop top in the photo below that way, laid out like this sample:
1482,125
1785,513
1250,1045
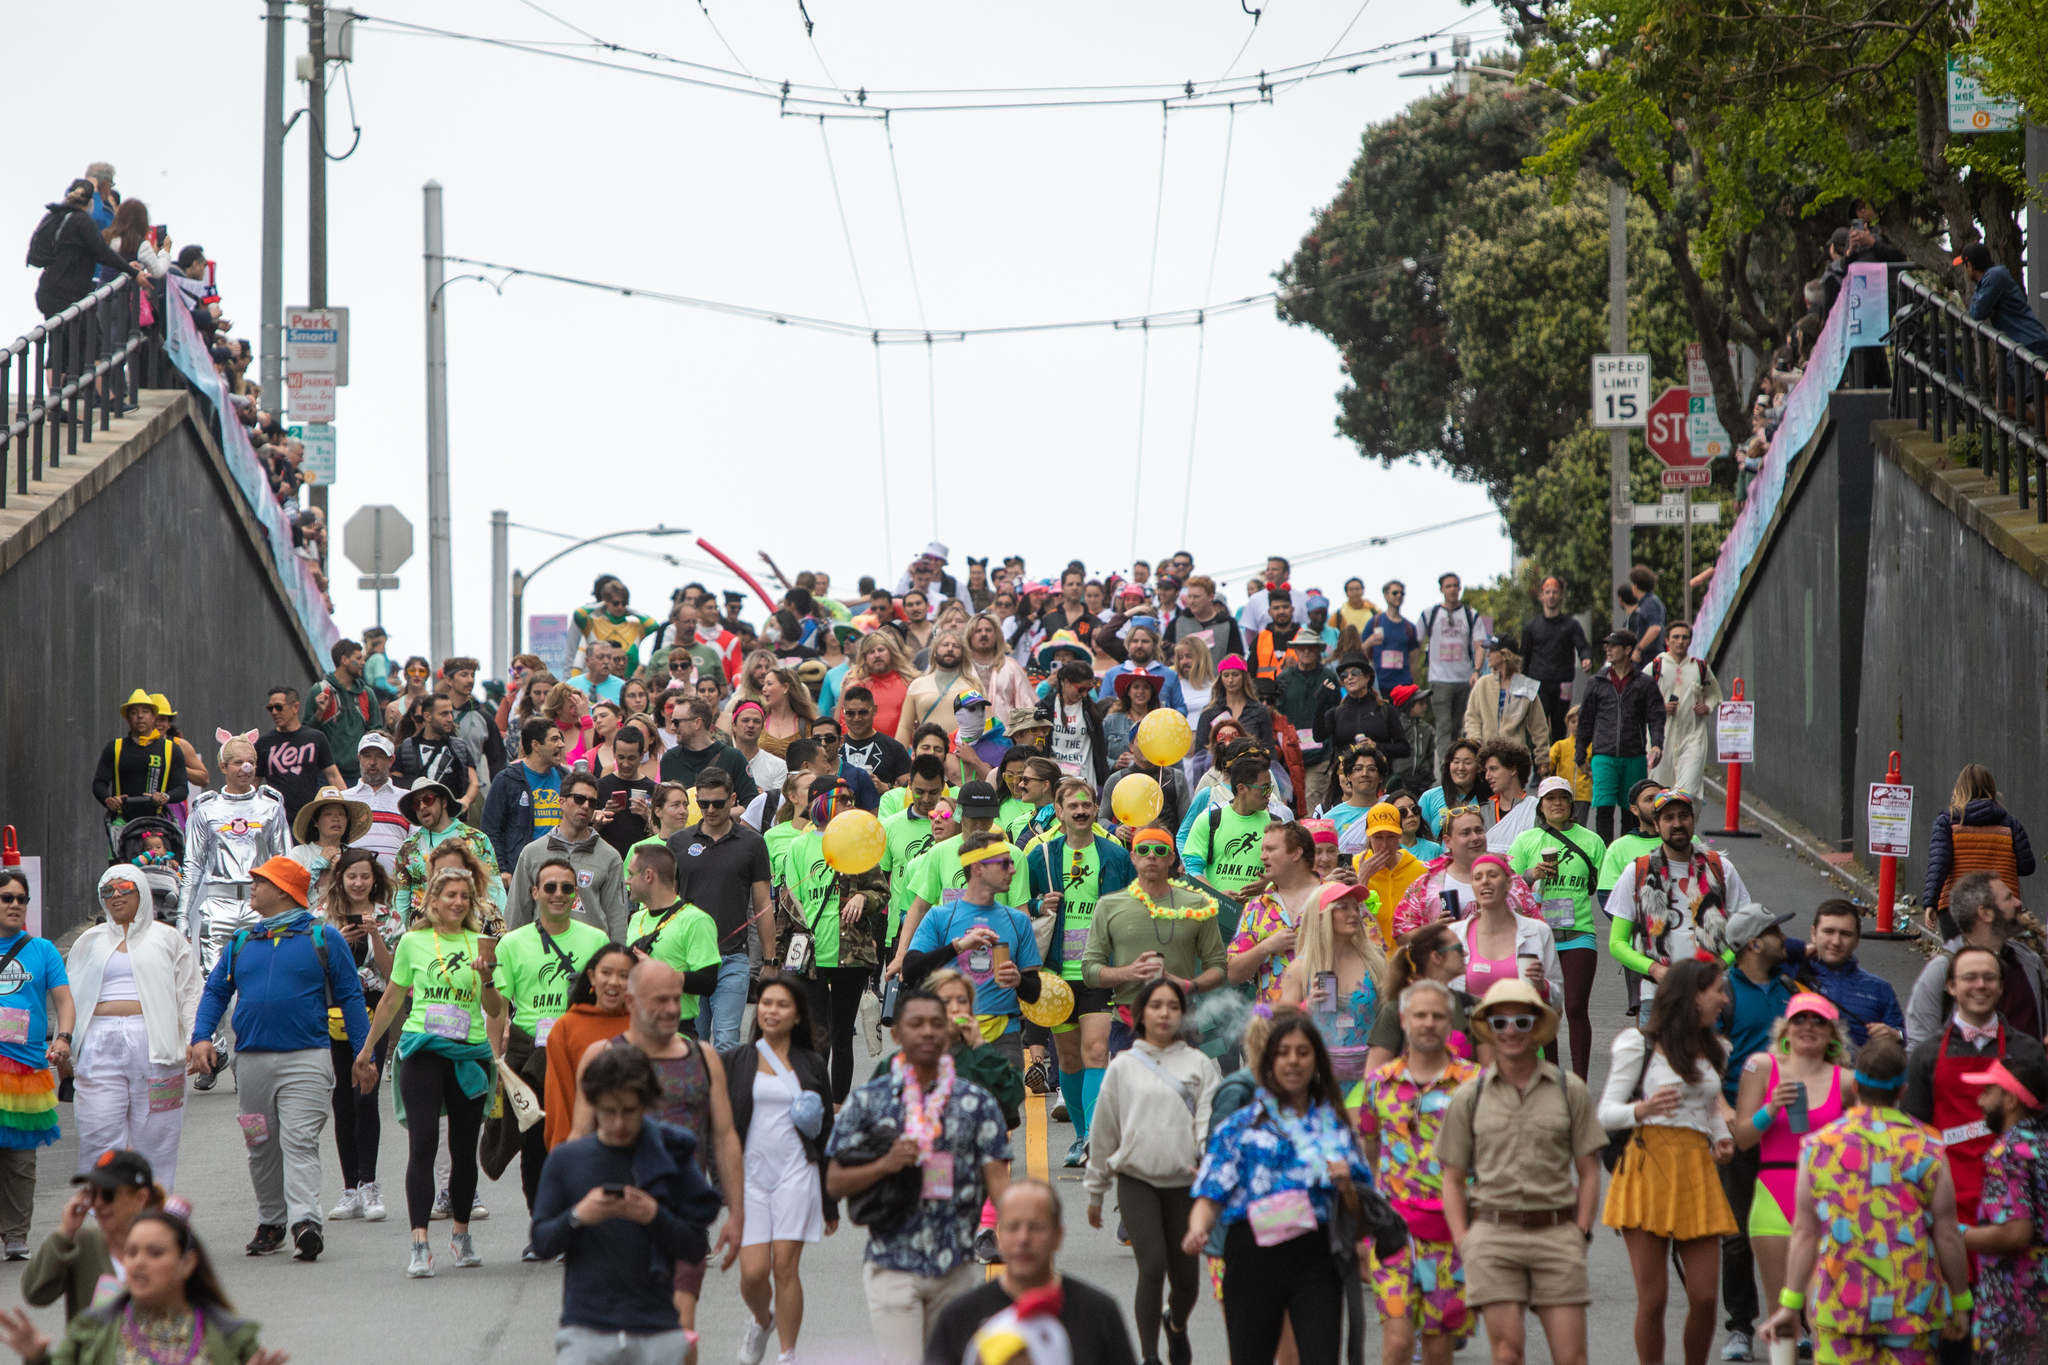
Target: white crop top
118,981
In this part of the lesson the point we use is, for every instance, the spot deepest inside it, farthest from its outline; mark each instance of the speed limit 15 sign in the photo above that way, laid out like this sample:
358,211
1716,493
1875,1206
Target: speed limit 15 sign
1621,390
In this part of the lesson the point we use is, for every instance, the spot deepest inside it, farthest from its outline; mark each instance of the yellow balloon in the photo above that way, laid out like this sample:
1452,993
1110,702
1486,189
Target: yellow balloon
854,842
1164,737
1137,798
1054,1003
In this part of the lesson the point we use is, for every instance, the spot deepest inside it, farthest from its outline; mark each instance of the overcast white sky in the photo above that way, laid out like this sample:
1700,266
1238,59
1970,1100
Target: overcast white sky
583,412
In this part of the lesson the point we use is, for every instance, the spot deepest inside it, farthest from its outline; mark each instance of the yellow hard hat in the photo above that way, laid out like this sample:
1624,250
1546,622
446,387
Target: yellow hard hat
163,704
142,698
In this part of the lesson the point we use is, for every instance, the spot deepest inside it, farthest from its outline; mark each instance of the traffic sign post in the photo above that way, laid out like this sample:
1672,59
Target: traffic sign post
1621,390
318,464
1735,745
1670,434
376,540
1890,818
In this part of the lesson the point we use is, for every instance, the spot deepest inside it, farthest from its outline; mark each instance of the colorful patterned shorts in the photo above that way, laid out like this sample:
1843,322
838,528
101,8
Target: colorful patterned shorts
1874,1350
1424,1284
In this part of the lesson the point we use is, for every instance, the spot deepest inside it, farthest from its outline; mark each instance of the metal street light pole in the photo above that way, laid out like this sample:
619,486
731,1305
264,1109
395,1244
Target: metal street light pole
270,336
520,579
440,563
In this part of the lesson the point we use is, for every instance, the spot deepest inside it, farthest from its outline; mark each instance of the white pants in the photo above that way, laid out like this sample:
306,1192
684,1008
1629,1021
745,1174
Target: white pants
122,1100
1684,762
292,1094
903,1307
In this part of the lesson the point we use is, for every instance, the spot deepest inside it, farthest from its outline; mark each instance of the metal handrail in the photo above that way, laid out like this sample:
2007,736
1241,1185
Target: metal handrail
77,331
1967,374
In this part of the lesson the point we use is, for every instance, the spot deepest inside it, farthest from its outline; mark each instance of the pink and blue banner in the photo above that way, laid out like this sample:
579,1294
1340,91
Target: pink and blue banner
1858,319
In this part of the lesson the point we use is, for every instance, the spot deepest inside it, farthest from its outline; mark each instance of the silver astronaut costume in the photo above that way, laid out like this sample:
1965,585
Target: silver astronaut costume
226,838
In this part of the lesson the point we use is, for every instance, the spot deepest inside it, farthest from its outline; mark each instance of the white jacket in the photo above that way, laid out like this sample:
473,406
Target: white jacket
167,979
1142,1126
1532,938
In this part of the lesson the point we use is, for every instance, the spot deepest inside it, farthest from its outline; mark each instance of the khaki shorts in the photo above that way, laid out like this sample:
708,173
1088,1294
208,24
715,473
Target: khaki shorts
1540,1267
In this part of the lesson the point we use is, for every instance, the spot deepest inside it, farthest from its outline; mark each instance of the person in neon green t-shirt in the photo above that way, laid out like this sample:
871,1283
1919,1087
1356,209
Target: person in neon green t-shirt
910,834
441,978
939,870
671,930
1223,846
537,967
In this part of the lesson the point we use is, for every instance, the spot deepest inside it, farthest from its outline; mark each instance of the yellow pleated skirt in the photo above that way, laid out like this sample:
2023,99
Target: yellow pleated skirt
1668,1184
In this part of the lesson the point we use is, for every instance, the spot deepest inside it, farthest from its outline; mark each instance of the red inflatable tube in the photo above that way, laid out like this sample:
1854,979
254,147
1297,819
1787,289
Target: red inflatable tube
727,560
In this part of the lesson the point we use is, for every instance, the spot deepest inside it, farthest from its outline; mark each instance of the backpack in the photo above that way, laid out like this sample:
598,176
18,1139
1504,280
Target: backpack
1425,625
335,1027
1712,916
42,243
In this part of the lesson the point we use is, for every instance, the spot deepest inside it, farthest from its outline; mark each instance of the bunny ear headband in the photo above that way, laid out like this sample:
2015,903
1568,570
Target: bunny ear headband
225,735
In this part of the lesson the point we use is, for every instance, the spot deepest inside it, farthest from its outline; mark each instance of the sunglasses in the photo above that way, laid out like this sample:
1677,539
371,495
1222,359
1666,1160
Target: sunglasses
679,665
1810,1018
12,898
1007,864
415,672
103,1195
275,706
719,804
578,798
557,888
1153,851
1511,1023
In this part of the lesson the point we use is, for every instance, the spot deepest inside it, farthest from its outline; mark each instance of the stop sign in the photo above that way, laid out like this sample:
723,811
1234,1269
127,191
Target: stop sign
1667,431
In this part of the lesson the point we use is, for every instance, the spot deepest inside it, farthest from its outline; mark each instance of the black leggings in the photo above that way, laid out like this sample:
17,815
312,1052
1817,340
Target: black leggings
1580,966
1156,1219
835,1008
357,1123
427,1081
1263,1287
533,1154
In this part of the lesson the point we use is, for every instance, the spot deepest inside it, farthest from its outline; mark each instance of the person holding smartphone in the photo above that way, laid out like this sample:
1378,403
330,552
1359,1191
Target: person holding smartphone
1798,1085
358,903
625,795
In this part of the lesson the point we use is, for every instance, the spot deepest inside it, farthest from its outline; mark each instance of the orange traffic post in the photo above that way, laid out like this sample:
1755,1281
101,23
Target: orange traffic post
1888,866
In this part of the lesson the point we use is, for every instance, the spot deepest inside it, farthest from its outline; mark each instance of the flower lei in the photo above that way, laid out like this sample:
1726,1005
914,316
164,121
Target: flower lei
922,1116
1207,909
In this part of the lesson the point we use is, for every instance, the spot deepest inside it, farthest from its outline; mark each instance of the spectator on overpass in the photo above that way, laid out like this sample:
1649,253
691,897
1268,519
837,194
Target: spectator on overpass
2002,301
343,707
140,773
1974,833
69,247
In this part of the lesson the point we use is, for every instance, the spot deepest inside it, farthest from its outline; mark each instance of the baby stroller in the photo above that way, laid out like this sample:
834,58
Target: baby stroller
166,884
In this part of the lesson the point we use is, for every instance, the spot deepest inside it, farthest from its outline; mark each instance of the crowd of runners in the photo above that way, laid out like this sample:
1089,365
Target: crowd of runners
1290,913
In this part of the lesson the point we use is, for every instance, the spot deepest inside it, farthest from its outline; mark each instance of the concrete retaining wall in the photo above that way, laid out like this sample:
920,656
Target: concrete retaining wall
153,579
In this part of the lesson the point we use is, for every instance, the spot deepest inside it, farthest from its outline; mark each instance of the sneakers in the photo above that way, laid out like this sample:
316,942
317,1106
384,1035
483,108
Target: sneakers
787,1357
443,1207
1123,1234
269,1237
373,1201
465,1251
477,1211
421,1266
1035,1078
985,1247
1077,1155
1059,1111
350,1207
754,1340
530,1255
306,1237
17,1248
204,1081
1179,1350
1740,1346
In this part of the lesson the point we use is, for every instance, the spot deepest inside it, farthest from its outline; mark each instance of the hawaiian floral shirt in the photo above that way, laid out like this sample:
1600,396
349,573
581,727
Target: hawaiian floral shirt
1262,1149
1405,1118
408,900
387,926
1263,917
940,1236
2010,1289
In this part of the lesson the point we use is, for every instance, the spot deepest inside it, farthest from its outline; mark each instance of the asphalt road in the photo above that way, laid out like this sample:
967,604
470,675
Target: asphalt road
356,1301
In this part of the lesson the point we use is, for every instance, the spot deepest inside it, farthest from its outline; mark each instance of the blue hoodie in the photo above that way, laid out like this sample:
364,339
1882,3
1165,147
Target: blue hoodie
283,1007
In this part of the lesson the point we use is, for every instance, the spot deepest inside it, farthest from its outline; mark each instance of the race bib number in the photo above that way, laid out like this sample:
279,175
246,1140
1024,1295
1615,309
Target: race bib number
1074,943
447,1021
938,1175
542,1027
1393,660
166,1094
255,1129
13,1026
1965,1133
1560,912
